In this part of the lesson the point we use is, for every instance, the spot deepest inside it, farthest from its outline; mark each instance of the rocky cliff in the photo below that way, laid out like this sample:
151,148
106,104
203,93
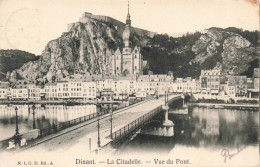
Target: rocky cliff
13,59
85,49
231,50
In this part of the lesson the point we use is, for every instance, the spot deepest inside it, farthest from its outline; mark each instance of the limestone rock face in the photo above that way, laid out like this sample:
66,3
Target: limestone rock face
233,51
236,55
86,49
207,45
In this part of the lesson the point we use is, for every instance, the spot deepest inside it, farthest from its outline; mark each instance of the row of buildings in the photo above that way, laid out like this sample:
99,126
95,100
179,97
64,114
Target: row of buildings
117,86
90,88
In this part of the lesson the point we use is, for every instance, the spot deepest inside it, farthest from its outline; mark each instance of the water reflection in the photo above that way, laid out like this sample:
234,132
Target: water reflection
201,128
45,116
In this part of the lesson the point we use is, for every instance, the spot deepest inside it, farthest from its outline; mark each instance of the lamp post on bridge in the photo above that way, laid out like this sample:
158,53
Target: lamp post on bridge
16,122
182,96
17,137
98,142
111,120
33,108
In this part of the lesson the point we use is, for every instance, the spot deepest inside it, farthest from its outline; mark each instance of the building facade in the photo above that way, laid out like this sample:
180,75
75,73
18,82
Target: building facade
210,81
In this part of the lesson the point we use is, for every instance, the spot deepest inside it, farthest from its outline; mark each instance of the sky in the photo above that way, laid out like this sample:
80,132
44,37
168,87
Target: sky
30,24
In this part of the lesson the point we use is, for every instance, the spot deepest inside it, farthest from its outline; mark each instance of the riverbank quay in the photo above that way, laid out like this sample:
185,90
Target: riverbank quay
70,101
57,102
251,107
198,96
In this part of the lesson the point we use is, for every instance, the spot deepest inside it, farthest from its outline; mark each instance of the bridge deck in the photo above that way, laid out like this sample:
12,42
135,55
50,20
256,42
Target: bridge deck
79,135
122,119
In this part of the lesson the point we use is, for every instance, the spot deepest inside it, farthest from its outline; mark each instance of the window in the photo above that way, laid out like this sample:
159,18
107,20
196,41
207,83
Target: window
117,68
135,56
135,67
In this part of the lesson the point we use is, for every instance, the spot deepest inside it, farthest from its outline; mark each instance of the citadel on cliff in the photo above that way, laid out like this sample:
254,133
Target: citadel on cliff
127,60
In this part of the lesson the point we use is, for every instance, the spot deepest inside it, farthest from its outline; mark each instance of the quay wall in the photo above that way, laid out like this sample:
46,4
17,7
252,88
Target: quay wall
251,107
226,98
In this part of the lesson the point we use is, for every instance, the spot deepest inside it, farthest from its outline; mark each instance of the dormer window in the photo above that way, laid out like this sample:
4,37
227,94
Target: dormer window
135,51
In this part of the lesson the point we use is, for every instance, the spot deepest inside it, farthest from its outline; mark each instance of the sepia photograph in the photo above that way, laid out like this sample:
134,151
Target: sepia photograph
139,83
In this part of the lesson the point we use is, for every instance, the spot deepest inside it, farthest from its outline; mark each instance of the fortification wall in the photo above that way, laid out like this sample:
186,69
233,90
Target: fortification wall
86,16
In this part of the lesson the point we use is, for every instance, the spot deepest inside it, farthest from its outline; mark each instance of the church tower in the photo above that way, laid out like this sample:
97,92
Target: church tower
131,60
127,32
127,50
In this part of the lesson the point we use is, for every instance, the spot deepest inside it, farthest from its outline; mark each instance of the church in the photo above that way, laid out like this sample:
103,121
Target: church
129,60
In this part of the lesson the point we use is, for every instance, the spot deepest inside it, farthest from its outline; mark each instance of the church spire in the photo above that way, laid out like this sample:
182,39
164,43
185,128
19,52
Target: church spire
128,7
128,20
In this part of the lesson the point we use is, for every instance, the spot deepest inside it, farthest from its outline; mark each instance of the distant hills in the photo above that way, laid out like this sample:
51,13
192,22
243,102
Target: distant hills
13,59
87,49
231,50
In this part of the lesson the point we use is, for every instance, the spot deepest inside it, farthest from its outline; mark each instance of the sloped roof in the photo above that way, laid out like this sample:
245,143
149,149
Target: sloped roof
117,52
234,80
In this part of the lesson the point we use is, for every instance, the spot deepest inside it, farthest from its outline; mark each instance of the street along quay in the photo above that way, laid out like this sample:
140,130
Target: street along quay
251,107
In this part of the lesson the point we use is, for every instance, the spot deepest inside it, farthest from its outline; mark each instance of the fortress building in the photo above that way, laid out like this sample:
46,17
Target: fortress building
129,60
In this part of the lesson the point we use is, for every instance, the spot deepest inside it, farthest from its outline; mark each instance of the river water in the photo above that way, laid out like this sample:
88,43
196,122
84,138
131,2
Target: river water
45,116
202,131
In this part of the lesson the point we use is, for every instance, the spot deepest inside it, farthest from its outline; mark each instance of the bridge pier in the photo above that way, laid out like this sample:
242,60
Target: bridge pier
167,128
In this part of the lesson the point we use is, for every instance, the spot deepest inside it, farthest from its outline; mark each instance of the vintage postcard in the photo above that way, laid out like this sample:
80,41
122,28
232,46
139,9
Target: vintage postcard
129,83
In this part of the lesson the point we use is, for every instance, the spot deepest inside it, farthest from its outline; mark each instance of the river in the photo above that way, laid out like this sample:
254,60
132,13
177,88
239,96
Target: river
45,116
202,131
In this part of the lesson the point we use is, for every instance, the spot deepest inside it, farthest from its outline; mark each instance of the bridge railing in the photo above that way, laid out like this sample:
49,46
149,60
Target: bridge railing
133,126
63,125
53,128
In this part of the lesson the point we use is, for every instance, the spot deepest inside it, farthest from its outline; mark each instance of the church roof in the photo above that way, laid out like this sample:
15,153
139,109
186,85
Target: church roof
117,52
136,48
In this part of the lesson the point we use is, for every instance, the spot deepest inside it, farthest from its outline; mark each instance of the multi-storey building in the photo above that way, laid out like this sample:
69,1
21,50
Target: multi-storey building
63,90
142,83
34,91
210,81
237,86
75,89
50,90
89,90
3,90
19,93
187,85
154,84
104,83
